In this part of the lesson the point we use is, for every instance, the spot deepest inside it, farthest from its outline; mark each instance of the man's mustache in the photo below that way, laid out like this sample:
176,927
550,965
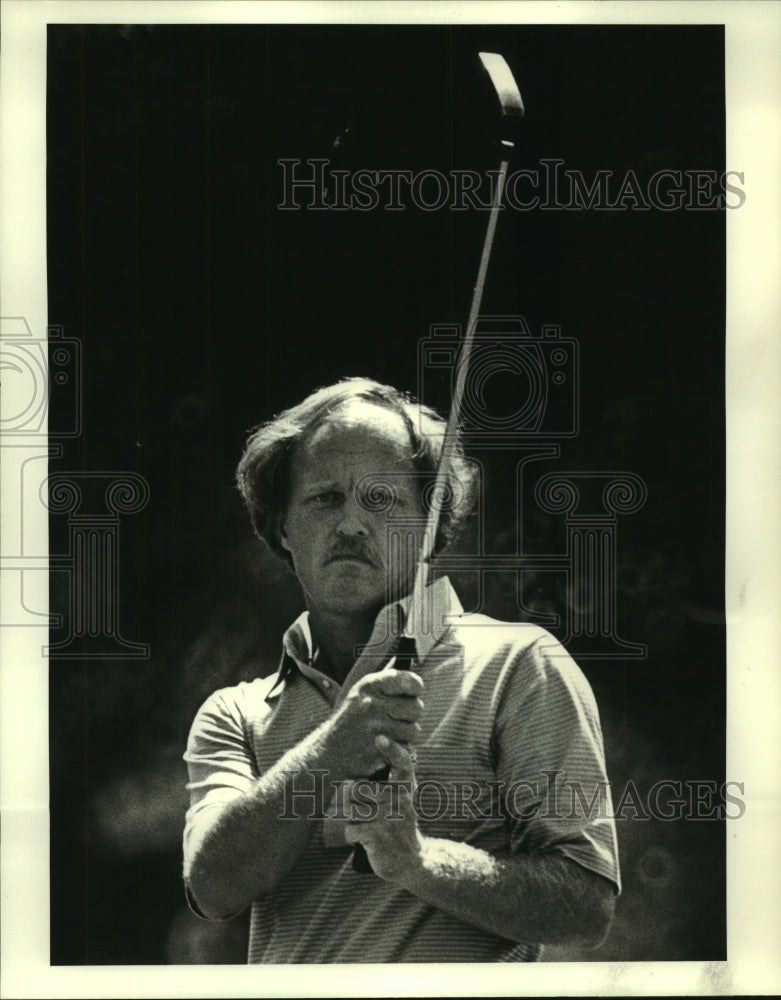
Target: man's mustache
352,550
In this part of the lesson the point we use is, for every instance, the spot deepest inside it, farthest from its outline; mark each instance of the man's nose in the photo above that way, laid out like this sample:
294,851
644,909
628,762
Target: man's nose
353,519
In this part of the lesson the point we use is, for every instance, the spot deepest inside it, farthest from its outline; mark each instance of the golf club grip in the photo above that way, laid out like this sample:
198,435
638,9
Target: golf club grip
405,654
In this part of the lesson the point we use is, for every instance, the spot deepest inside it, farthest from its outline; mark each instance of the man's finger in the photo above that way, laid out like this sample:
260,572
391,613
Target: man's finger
405,708
399,757
355,833
394,682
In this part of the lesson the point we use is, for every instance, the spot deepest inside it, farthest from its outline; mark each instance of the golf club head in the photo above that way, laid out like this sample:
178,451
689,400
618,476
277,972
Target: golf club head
511,109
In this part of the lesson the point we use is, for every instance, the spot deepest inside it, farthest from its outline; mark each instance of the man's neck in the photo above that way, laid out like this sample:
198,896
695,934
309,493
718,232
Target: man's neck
336,638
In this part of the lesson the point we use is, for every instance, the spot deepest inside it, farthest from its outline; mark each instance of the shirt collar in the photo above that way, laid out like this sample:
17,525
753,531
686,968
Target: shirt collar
297,641
297,651
431,619
440,604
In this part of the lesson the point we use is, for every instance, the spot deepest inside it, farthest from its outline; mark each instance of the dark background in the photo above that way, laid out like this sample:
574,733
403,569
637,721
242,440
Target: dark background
202,309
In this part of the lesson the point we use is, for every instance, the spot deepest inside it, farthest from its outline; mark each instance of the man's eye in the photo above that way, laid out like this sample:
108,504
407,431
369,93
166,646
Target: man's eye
379,498
328,498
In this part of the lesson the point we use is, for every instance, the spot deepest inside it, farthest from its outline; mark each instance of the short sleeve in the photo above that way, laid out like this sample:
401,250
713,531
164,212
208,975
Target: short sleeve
220,763
550,757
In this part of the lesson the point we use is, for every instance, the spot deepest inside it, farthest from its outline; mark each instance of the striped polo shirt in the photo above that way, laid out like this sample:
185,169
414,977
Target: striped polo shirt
510,758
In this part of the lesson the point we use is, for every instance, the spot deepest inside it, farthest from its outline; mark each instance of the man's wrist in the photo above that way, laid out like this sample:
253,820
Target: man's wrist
331,753
410,865
440,858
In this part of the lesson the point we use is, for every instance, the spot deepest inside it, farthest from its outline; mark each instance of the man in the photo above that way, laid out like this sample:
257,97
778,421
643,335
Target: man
473,858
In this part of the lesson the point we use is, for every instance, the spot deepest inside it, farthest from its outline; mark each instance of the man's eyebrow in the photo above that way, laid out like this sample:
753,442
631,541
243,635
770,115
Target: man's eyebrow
394,477
320,484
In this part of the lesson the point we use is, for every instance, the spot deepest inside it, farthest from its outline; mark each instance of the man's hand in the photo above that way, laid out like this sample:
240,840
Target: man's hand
386,703
545,898
390,836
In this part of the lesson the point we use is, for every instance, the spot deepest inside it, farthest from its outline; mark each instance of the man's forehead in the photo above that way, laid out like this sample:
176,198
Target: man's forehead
359,427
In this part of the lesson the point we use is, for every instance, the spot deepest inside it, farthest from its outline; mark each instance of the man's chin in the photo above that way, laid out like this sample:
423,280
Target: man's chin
353,605
354,587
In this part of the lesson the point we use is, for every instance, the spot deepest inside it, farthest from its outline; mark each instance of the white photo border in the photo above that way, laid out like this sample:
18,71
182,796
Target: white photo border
753,578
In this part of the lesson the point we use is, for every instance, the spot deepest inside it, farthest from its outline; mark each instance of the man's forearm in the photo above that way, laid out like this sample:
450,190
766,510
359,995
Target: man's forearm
544,898
247,847
540,898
